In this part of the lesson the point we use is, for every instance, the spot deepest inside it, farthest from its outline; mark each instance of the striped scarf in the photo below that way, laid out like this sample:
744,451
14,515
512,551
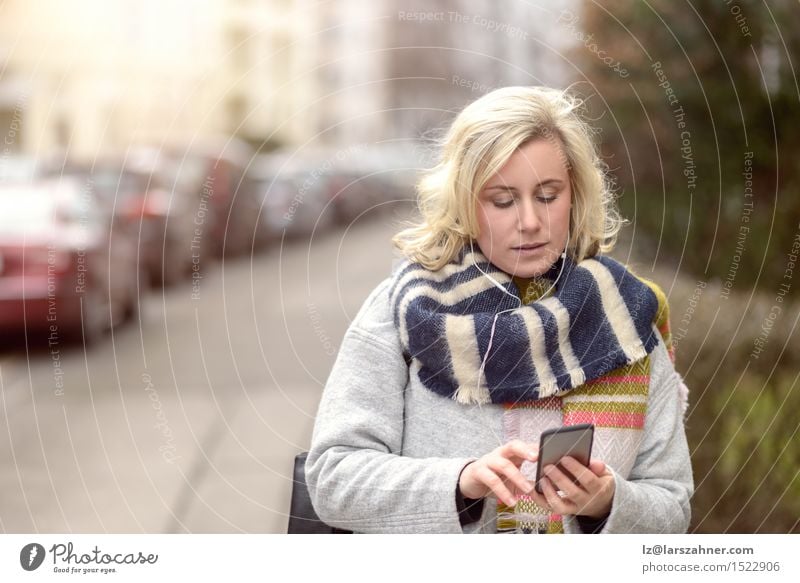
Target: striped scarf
598,318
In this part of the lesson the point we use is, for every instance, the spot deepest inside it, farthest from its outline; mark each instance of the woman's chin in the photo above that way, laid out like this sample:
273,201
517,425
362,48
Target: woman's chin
526,271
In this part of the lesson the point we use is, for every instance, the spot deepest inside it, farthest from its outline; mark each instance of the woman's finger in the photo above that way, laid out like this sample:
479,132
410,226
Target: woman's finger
598,467
496,485
560,480
556,503
520,450
512,474
584,475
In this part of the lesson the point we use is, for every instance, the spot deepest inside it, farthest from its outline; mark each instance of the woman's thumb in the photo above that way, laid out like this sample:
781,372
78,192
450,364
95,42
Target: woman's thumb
598,467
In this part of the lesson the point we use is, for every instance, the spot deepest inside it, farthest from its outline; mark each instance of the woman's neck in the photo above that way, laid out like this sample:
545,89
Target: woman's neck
531,288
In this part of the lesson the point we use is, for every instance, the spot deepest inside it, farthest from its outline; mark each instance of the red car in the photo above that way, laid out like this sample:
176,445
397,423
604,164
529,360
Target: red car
150,199
62,275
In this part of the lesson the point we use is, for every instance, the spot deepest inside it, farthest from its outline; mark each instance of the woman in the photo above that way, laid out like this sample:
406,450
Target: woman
506,320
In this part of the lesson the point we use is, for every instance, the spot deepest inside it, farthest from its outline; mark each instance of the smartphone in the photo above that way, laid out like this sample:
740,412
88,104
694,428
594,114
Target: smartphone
571,440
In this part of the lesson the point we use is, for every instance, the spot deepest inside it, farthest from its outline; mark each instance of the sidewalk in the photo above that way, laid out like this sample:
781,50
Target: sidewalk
241,480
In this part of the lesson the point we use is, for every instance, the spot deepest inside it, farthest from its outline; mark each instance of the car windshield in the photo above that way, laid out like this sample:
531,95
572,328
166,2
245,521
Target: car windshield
35,208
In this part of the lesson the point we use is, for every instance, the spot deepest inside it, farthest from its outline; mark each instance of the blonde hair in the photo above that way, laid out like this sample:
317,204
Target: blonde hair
477,145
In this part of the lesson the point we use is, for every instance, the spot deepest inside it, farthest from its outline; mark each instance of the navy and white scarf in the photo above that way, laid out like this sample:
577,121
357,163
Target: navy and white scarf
598,318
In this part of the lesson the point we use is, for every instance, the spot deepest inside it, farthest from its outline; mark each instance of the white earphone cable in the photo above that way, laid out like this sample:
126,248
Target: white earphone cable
494,321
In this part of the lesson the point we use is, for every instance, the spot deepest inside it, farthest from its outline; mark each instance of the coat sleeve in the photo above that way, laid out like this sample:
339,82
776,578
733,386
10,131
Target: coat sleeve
357,477
655,497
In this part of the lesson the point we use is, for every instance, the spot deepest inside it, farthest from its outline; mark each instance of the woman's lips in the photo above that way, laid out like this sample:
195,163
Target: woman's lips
527,249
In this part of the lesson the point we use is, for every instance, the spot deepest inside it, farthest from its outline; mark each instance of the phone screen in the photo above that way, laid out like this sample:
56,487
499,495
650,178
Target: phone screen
571,440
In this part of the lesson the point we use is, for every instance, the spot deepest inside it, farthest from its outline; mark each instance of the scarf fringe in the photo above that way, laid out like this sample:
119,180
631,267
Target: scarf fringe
578,377
512,521
472,395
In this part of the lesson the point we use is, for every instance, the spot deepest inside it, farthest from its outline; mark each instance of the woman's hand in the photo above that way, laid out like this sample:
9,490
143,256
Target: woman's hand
497,470
592,497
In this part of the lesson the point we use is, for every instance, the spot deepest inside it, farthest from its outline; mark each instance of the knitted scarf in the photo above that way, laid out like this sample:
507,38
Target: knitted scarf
598,318
579,355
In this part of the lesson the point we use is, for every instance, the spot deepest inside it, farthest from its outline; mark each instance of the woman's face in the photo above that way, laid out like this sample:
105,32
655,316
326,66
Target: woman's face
524,210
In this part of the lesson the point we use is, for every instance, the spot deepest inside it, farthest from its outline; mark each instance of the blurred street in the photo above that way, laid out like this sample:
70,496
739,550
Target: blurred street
195,199
187,420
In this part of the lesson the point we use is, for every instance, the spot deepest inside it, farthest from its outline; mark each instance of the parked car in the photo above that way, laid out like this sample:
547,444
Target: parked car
293,194
394,170
152,196
138,190
352,193
363,181
224,201
61,274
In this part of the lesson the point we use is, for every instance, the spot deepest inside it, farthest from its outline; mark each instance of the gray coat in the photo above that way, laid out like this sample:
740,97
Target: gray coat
386,452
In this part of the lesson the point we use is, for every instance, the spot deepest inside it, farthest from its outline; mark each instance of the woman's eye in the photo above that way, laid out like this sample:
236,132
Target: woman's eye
547,196
502,204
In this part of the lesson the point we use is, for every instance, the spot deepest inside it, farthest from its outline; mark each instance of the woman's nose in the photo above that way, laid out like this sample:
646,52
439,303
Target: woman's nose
528,218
